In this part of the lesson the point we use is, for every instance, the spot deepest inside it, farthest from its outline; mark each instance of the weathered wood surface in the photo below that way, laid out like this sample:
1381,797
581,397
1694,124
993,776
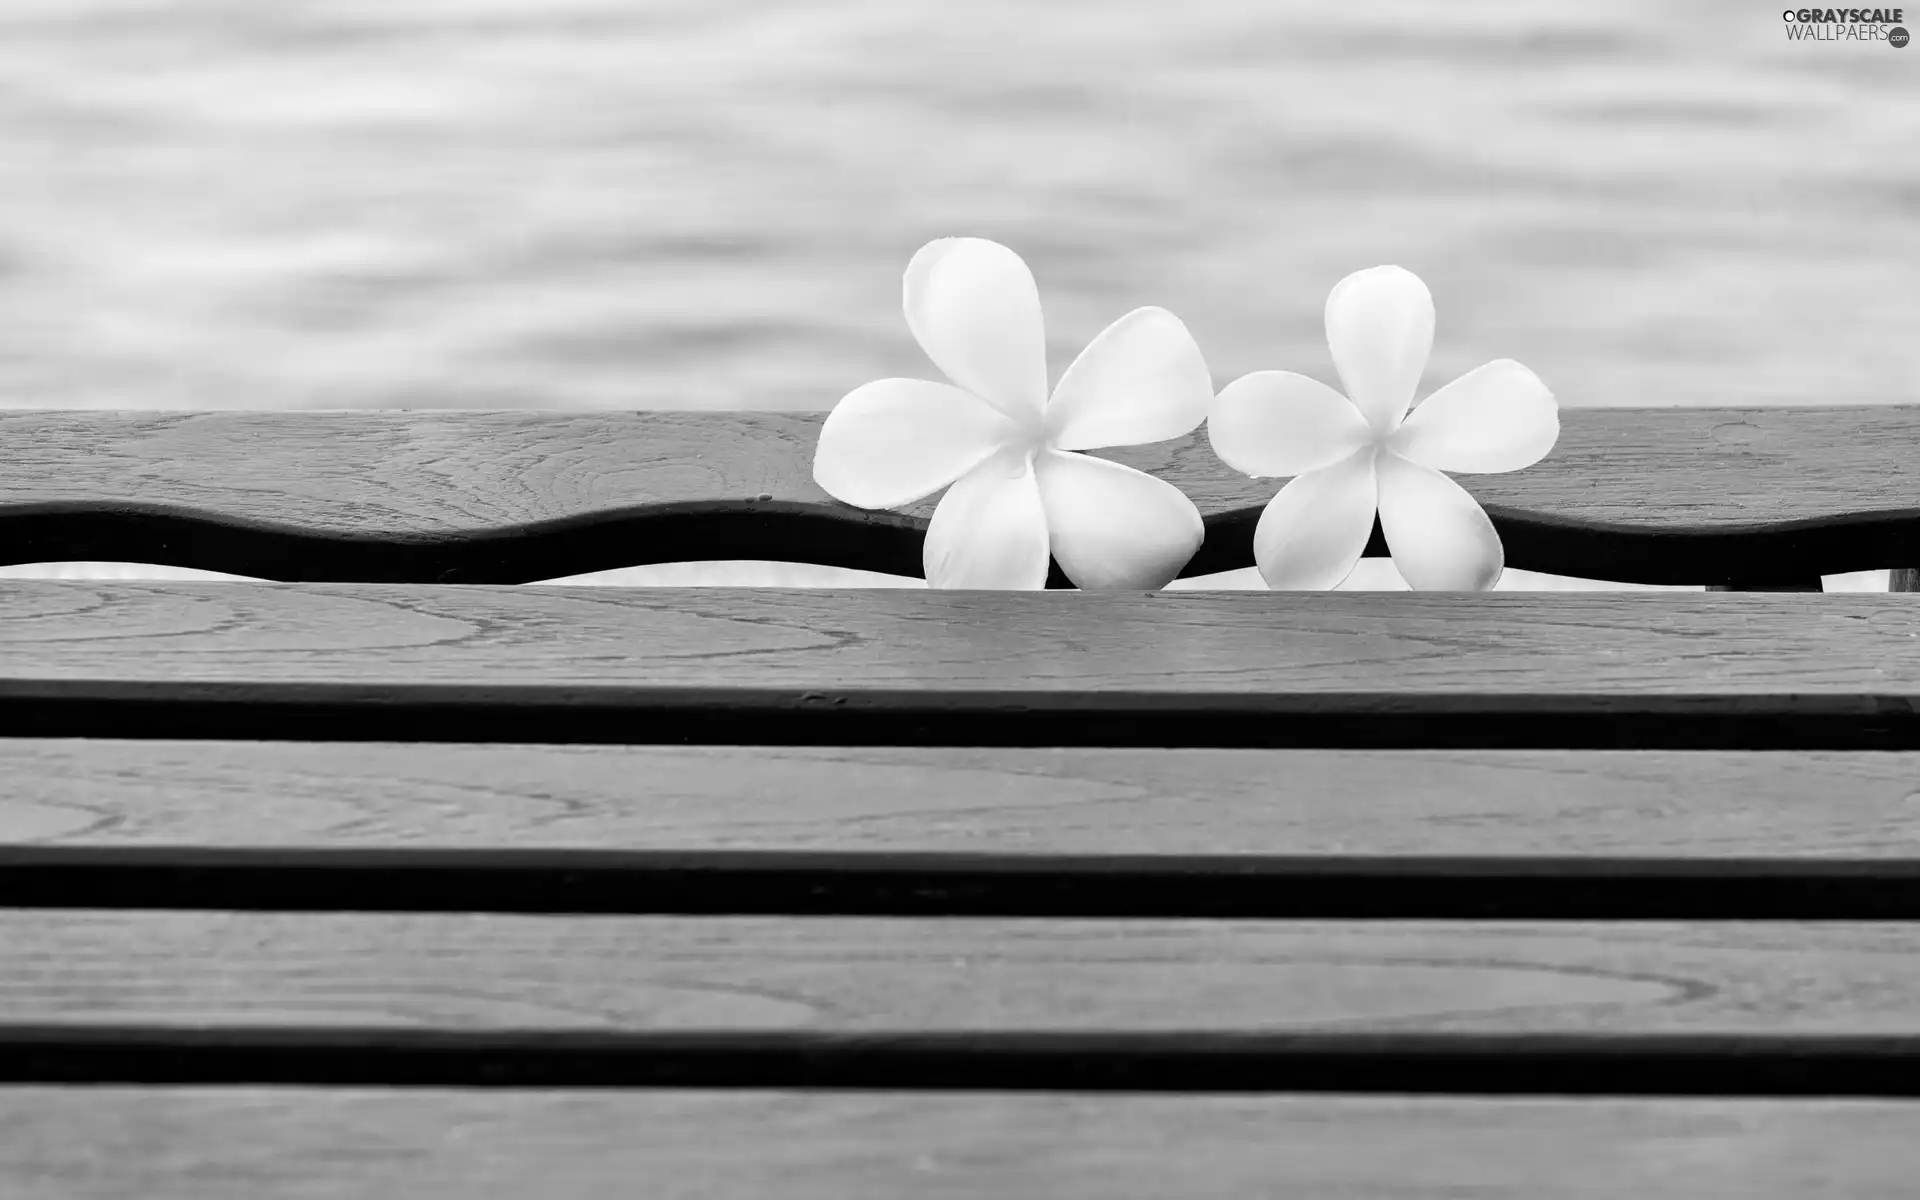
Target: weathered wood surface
954,975
1670,495
385,473
806,646
1010,800
345,1144
368,661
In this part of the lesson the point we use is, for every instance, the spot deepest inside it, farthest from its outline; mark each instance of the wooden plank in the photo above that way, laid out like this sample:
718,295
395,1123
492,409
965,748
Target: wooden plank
474,972
900,667
107,793
386,473
804,642
1670,495
244,1144
369,661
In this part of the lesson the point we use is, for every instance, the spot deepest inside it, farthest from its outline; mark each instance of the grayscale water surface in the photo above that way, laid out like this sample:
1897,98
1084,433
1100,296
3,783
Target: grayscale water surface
699,203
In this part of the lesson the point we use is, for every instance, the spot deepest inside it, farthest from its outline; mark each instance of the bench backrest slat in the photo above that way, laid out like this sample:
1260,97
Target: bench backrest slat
1639,495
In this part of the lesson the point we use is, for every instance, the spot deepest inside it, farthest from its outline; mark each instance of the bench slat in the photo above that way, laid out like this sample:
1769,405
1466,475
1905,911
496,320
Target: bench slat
1669,495
1006,800
240,1144
369,661
792,642
954,975
388,473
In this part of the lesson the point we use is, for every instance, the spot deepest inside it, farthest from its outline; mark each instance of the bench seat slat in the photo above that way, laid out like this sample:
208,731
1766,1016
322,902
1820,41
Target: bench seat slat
476,972
104,792
801,643
747,665
796,644
239,1144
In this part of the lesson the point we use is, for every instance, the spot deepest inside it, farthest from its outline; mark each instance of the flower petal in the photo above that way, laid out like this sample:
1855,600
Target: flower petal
989,530
1279,423
1142,380
1313,532
1498,417
895,440
1380,330
973,307
1115,528
1440,536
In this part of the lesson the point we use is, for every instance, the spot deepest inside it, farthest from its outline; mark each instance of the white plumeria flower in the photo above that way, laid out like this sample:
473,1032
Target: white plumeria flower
1019,492
1353,455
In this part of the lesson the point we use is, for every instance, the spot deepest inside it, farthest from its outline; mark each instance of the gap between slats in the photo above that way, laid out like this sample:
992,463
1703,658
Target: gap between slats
831,883
1194,1062
883,544
883,717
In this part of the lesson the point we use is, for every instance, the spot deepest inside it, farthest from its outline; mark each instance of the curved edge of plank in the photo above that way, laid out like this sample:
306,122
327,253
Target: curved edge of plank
832,535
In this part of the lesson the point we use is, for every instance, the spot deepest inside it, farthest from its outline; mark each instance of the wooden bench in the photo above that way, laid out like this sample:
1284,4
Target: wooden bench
365,885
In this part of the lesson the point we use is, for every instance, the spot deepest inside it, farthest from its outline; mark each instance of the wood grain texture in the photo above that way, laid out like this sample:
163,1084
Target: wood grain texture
1579,670
394,473
1009,800
477,972
244,1144
816,646
419,482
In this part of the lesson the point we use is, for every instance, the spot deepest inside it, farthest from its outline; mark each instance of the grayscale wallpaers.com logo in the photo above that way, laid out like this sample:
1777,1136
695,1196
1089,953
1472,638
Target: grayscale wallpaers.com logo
1846,25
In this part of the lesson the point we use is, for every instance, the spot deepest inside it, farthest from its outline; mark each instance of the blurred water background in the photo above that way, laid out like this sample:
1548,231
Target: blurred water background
707,203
